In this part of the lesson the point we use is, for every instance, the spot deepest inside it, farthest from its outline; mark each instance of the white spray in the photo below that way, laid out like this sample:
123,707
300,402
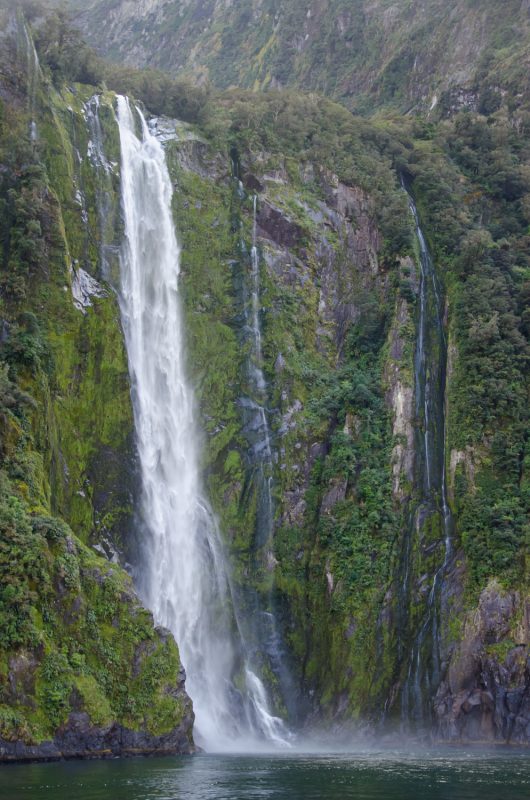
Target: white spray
184,576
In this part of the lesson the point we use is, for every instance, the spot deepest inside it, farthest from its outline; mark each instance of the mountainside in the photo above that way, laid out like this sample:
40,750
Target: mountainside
421,55
356,302
83,669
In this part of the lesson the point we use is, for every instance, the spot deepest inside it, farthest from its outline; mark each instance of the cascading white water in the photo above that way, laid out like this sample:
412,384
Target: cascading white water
184,578
262,455
428,273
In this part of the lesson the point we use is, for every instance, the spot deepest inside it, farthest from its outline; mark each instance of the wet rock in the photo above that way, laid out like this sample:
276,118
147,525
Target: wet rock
486,696
330,580
465,459
21,680
84,289
335,494
275,225
400,398
352,426
279,364
288,422
459,98
252,184
78,738
295,508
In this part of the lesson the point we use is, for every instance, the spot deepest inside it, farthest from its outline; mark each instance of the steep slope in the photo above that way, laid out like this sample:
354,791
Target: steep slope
339,300
413,55
301,276
83,670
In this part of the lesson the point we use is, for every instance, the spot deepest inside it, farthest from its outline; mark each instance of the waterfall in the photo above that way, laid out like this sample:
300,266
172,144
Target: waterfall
34,74
266,634
104,170
257,424
183,577
430,363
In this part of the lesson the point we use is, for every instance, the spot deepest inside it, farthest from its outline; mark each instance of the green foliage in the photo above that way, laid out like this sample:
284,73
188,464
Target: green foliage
470,174
25,220
85,629
64,53
175,97
496,534
23,575
54,688
476,218
73,635
309,127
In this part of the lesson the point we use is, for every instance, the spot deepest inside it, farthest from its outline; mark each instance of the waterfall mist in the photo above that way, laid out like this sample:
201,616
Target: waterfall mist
183,576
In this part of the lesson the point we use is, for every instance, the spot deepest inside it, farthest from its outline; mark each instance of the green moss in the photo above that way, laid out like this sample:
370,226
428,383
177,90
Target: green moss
72,633
96,704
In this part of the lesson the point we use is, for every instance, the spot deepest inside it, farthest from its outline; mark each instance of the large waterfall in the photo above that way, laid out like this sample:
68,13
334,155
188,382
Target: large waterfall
183,577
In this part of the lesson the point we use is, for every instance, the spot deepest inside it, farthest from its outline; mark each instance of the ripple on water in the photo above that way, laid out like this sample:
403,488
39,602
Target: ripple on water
388,775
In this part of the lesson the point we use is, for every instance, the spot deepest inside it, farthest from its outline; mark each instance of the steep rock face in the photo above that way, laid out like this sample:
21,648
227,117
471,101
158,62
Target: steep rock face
321,279
338,335
338,288
416,55
83,671
321,262
486,695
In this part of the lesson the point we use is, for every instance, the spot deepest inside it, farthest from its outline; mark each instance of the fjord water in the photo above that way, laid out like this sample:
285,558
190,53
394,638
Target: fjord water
183,575
428,775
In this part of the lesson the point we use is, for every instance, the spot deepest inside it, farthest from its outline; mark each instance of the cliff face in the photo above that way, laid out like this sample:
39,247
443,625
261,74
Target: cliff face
339,296
418,55
321,279
83,670
317,522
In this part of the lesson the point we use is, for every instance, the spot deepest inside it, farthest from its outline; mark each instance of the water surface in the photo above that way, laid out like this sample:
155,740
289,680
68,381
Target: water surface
434,775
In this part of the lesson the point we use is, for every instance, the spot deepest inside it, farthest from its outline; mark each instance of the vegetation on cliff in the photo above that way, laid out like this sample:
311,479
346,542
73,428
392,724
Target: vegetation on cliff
74,639
424,56
338,309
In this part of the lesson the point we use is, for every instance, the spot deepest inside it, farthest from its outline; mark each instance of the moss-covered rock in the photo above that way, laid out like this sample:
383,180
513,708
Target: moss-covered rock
338,281
83,670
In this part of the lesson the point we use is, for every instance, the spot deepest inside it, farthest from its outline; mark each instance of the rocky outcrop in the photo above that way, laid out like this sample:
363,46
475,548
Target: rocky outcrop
400,397
79,738
486,694
274,224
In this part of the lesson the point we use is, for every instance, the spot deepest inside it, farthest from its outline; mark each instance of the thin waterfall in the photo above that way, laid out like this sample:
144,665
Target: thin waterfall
104,186
430,364
183,577
256,425
34,73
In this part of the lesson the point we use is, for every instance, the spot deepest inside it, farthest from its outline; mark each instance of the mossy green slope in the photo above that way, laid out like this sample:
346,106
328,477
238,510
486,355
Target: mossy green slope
339,280
83,669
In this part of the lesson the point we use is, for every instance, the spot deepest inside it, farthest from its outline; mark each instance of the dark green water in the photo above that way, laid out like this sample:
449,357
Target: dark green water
436,775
